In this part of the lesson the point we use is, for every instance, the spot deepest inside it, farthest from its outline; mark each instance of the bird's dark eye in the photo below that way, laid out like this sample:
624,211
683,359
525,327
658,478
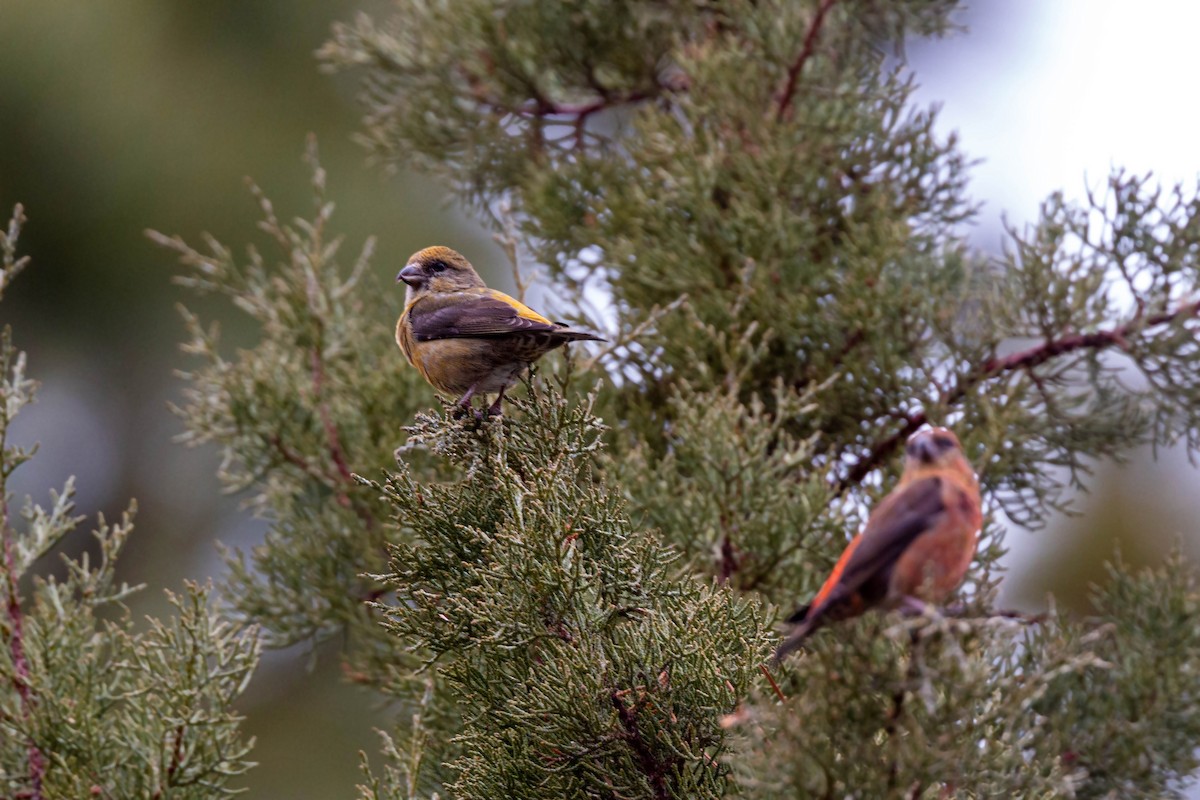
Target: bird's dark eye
437,266
943,442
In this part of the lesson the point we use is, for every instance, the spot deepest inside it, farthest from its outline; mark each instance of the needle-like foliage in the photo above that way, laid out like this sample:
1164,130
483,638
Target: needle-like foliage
576,600
93,704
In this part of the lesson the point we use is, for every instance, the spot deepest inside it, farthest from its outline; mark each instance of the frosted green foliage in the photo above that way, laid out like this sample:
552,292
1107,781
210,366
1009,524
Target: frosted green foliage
725,490
691,162
92,704
320,395
565,636
780,233
991,707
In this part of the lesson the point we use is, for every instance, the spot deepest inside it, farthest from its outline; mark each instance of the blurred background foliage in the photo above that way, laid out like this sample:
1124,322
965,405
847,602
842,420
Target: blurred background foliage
130,114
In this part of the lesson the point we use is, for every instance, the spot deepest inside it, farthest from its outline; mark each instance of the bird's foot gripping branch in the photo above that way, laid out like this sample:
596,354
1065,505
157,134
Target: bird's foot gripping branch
937,705
564,638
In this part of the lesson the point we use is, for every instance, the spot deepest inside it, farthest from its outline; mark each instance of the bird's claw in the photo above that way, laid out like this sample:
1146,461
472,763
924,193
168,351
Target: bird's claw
912,607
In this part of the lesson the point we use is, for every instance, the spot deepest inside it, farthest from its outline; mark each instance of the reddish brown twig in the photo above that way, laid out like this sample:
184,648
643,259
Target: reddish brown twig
300,462
1023,359
331,432
879,451
174,765
651,766
547,108
729,561
806,51
541,107
767,674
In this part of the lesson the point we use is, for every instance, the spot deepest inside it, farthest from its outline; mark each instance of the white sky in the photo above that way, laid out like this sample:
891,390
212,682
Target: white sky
1053,93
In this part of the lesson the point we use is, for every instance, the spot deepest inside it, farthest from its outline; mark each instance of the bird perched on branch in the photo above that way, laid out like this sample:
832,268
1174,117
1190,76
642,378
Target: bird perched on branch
916,545
467,339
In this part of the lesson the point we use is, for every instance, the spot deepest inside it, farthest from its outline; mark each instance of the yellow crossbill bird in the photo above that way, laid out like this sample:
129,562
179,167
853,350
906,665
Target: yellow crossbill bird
916,546
467,339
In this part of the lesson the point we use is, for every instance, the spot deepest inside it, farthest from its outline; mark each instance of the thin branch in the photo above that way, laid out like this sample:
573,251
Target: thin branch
1021,360
292,457
343,478
1022,617
879,451
176,762
10,265
767,674
508,239
806,51
331,432
618,339
729,562
651,766
544,107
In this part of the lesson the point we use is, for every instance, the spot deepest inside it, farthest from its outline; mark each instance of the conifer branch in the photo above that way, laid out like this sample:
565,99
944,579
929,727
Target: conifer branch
98,706
651,766
12,397
771,680
336,453
21,677
806,51
542,106
173,766
1028,359
300,462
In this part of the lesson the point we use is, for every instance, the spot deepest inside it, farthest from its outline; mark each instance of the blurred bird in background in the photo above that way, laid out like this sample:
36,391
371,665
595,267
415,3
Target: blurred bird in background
916,546
467,339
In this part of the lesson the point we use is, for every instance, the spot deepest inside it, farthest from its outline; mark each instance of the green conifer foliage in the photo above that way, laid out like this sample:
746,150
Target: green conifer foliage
567,636
577,600
92,704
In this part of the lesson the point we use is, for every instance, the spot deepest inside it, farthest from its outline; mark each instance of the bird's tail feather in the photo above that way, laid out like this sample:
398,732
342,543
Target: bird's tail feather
806,620
799,615
795,640
579,336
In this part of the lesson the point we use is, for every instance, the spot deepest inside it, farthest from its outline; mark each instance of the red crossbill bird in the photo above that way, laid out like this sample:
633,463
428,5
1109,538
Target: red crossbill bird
915,547
467,339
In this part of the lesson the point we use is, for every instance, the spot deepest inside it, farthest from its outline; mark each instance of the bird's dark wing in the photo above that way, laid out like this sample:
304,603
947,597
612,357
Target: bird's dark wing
469,314
900,519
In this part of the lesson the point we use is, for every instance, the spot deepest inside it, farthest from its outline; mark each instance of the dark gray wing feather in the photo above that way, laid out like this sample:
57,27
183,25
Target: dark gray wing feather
478,317
889,532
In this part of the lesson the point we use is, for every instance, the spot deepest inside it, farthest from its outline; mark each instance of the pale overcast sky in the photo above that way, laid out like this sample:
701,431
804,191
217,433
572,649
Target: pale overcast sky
1053,93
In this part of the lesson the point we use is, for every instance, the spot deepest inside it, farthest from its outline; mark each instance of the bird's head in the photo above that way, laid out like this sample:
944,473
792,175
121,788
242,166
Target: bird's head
935,450
438,269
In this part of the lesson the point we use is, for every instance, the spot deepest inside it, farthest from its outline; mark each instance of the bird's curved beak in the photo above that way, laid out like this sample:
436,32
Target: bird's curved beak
410,275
